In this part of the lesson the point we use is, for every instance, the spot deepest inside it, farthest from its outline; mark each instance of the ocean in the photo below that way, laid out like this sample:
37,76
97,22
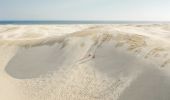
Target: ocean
46,22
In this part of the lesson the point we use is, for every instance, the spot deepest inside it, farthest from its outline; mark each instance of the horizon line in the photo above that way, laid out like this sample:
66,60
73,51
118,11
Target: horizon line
97,20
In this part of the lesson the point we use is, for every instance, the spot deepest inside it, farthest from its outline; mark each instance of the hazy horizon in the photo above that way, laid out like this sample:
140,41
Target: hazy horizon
100,10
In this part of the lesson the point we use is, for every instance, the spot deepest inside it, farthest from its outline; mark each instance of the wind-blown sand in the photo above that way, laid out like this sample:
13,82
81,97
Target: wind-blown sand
85,62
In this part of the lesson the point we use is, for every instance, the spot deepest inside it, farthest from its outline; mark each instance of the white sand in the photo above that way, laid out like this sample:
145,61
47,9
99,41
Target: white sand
85,62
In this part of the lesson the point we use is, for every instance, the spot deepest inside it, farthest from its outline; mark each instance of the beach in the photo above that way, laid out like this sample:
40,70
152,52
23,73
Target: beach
85,62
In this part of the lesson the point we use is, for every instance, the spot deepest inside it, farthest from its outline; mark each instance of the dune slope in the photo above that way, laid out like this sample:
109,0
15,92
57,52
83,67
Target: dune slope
85,62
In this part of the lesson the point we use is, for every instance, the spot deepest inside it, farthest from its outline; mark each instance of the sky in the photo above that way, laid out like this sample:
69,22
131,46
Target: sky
137,10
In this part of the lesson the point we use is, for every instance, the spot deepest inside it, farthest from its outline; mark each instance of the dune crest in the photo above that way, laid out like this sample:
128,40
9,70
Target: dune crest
83,62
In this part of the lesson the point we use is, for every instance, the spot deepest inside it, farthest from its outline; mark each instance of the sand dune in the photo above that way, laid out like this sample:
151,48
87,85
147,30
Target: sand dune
85,62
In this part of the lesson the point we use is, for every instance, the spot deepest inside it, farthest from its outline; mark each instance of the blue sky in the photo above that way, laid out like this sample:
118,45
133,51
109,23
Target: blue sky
157,10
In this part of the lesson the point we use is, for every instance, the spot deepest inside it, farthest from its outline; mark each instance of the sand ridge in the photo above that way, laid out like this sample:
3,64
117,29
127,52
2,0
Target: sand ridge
90,62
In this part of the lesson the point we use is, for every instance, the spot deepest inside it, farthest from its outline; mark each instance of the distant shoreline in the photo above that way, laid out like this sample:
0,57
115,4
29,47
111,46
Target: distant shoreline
39,22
